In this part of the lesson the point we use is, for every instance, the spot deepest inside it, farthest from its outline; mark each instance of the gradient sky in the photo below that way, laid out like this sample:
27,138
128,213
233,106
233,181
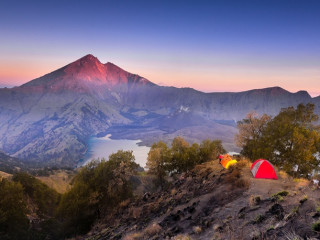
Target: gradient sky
207,45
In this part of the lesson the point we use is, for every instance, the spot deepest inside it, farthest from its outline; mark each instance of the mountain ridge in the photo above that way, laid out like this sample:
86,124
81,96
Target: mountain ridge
51,118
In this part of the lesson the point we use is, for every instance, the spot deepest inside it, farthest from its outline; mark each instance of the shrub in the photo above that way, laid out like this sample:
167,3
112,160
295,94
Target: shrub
13,209
254,200
98,187
46,198
316,226
279,196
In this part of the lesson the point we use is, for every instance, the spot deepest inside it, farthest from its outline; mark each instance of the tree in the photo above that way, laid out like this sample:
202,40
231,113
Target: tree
250,131
13,209
210,150
158,160
98,187
180,159
46,198
290,140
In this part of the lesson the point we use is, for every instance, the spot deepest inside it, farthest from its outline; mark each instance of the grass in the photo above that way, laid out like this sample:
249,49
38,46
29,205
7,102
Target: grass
59,181
243,163
295,209
182,237
254,200
152,230
197,229
5,175
234,178
280,196
271,228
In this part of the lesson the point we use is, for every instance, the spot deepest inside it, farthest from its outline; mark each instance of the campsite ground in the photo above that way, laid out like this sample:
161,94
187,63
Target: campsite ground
211,202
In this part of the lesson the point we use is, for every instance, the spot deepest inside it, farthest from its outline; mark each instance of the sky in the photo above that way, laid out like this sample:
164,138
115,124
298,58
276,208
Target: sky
212,46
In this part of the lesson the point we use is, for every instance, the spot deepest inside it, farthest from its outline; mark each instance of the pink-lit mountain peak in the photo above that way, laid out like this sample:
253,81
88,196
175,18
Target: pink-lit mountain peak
87,70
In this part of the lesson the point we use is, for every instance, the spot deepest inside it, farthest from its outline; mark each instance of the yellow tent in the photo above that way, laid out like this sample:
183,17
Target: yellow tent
227,161
232,162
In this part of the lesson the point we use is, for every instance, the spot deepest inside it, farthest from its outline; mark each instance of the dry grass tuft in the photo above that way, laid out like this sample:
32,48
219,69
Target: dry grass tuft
283,175
152,230
136,212
197,229
234,178
301,182
254,200
124,203
244,162
173,191
133,236
182,237
149,232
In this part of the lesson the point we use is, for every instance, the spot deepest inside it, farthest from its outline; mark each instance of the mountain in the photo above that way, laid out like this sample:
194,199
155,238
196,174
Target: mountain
50,119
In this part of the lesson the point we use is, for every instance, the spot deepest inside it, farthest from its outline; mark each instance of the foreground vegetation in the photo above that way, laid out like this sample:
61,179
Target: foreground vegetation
290,140
29,209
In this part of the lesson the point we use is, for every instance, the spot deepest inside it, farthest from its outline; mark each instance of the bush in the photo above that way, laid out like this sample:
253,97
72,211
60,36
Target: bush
98,187
13,209
316,226
279,196
181,157
47,199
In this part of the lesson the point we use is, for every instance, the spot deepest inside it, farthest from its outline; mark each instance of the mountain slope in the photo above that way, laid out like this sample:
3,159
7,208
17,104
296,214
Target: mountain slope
211,202
50,119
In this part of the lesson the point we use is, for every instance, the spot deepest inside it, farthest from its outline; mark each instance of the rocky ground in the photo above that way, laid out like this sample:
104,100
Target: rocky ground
210,202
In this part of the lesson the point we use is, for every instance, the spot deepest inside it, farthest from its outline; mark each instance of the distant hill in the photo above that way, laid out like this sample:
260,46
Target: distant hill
9,164
50,119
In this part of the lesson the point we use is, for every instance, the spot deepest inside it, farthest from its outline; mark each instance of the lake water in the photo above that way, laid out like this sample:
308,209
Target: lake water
104,146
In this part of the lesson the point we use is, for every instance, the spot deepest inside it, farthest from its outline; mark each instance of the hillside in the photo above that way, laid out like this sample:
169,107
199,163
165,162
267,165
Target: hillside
10,164
211,202
59,180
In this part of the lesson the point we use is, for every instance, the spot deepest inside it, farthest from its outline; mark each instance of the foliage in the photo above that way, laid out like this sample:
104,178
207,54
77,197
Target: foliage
251,129
180,157
46,198
13,209
279,196
290,140
97,187
210,150
316,226
158,160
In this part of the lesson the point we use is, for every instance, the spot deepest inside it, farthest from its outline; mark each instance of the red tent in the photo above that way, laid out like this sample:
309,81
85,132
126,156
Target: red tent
263,169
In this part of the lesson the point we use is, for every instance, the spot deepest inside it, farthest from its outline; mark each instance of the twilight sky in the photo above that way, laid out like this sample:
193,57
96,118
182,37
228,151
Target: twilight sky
217,45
